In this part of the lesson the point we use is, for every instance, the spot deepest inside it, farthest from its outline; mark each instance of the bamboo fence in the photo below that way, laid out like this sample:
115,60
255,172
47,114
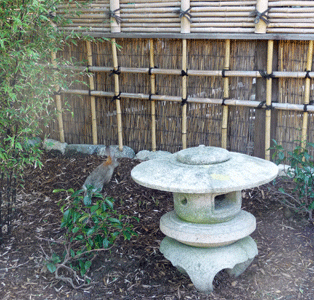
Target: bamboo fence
228,16
234,74
171,94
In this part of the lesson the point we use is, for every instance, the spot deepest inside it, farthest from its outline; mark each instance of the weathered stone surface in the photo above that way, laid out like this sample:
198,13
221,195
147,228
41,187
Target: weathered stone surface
50,144
207,208
202,155
83,148
202,264
208,235
147,155
126,151
239,172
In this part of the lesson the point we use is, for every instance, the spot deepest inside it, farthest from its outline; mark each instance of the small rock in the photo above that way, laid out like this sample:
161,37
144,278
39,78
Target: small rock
50,144
83,148
147,155
126,151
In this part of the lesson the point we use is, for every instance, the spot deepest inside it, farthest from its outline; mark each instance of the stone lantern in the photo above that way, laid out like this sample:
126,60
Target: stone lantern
207,231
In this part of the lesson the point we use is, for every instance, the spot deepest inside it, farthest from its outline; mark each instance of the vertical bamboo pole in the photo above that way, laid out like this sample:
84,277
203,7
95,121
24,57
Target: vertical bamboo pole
58,101
307,94
226,96
270,52
184,93
92,88
115,9
261,6
117,92
185,28
185,23
153,92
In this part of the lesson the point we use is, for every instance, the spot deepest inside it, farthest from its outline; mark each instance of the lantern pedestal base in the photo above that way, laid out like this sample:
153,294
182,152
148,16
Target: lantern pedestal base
202,264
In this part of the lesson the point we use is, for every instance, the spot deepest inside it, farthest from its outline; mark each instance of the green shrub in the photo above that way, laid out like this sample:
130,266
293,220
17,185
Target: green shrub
91,225
301,172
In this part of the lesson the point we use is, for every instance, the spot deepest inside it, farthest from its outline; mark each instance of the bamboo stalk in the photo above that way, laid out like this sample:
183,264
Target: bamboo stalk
58,102
185,20
173,14
184,93
222,3
270,52
232,73
292,18
221,29
290,30
291,3
294,25
229,102
173,19
153,92
114,7
117,92
153,25
223,24
290,10
155,4
224,129
92,98
223,8
152,29
307,94
261,6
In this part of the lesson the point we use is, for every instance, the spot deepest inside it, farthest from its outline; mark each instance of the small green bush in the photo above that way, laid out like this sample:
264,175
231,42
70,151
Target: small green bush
301,172
91,225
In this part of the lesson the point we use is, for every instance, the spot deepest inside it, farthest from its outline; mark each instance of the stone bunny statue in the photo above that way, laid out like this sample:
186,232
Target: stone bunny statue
103,173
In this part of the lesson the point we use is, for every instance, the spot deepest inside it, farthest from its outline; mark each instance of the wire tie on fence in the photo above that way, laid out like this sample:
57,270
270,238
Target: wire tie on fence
261,104
58,92
307,75
185,13
116,72
88,71
306,105
223,74
184,73
184,101
223,101
112,14
265,75
150,97
260,16
90,92
269,107
150,70
116,97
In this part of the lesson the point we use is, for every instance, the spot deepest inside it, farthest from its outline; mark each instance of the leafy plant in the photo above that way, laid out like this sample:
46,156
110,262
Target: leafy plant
301,172
91,225
30,32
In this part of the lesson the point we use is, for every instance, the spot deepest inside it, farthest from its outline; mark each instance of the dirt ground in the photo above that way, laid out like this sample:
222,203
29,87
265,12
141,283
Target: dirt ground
283,269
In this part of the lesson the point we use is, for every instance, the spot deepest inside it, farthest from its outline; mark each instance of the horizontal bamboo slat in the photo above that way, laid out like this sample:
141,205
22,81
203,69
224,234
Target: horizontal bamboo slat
229,102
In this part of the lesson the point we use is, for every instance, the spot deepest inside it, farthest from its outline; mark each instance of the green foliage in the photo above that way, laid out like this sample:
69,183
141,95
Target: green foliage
91,225
301,171
28,36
